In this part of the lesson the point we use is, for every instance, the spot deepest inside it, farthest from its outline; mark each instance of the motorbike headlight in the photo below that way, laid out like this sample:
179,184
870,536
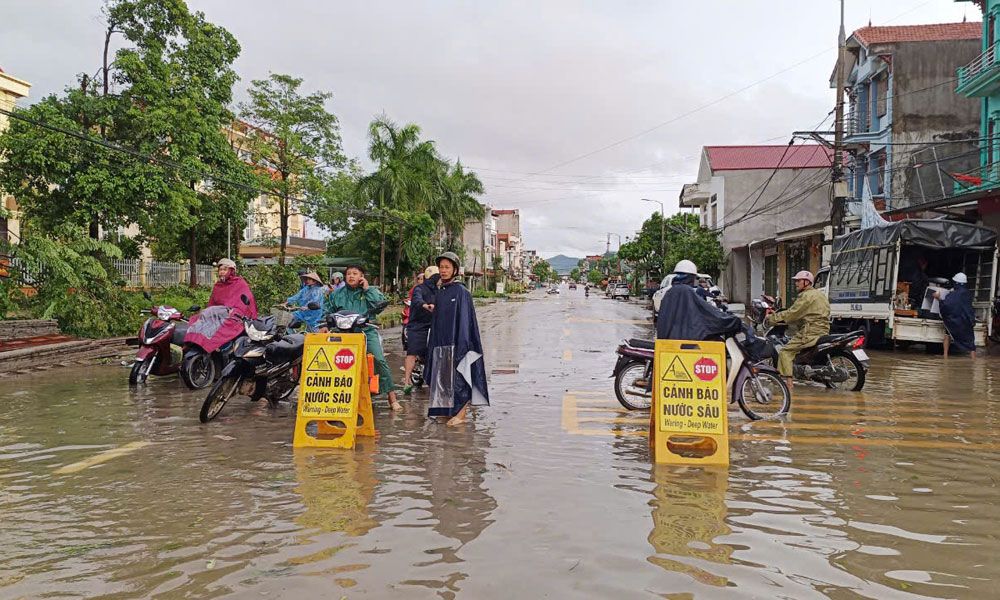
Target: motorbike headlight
256,352
344,321
258,336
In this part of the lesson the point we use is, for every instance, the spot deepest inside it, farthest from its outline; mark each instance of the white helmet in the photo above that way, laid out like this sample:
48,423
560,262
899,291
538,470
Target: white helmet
686,266
960,278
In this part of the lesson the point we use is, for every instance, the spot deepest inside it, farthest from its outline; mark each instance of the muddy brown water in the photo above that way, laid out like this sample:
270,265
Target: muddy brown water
890,493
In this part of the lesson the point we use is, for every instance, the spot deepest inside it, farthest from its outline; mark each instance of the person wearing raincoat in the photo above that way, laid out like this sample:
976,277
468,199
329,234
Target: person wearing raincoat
455,351
811,314
958,316
359,297
312,290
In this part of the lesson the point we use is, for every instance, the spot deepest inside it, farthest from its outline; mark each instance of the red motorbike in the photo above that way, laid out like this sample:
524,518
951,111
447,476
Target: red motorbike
165,328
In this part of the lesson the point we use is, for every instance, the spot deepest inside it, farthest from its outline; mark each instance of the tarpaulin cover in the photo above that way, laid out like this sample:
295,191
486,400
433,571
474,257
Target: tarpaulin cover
930,233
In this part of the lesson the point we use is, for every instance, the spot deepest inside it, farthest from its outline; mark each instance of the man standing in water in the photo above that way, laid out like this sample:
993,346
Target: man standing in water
455,352
959,317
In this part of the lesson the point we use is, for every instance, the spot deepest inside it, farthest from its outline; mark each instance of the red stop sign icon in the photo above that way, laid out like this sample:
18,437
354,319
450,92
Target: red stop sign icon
344,359
706,369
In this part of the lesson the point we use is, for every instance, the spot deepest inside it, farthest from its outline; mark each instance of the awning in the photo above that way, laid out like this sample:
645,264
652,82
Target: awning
801,232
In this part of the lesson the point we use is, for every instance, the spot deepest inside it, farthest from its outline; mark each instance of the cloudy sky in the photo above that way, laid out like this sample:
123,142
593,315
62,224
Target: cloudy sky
569,111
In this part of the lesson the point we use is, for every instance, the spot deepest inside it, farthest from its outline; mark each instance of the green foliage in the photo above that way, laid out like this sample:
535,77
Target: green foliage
543,271
574,275
594,276
296,142
273,284
684,238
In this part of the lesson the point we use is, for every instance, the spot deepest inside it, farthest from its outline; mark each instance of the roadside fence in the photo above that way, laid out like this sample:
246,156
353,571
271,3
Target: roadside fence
136,273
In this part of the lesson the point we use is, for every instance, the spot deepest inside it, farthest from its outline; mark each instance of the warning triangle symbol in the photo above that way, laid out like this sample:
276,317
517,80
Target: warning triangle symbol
320,362
676,371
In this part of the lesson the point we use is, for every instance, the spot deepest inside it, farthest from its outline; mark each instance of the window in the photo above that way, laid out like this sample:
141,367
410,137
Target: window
881,104
715,215
771,275
873,96
796,259
876,175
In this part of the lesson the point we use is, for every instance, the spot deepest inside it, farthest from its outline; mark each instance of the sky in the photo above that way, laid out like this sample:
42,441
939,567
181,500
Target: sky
571,112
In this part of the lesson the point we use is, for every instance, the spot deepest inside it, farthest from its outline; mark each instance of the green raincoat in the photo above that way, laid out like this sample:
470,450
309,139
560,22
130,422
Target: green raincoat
362,301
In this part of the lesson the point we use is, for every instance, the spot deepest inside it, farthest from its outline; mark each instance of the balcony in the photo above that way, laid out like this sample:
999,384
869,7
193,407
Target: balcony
981,77
694,195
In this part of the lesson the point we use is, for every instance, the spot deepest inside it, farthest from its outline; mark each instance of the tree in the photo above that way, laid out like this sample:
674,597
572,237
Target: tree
543,271
574,275
684,239
131,146
459,202
408,178
295,144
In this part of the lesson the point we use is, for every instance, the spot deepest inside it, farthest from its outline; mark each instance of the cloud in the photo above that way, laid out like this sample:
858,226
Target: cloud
517,87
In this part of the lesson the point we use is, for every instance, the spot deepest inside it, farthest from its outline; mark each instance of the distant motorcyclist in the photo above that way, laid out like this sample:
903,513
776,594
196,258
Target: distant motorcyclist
685,315
312,290
810,313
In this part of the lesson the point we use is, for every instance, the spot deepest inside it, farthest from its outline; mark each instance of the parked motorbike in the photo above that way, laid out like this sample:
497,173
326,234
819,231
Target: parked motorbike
349,322
836,361
266,363
199,367
161,332
417,374
762,308
756,387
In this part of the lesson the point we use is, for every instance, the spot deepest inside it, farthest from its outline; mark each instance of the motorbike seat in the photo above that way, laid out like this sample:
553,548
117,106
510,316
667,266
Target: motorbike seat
836,337
287,348
644,344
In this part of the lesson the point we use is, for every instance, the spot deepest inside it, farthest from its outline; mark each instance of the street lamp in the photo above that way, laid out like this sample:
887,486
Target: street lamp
663,250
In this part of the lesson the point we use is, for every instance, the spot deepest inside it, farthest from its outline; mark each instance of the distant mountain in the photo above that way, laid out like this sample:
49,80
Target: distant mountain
563,264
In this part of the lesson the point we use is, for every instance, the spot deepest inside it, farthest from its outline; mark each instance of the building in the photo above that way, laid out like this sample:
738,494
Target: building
771,205
262,234
479,239
509,242
12,89
904,117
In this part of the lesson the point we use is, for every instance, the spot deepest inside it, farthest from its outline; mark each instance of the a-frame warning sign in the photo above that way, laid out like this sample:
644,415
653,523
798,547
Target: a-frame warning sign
320,362
676,371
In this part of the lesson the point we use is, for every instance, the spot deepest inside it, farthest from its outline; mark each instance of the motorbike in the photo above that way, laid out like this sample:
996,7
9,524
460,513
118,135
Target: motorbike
349,322
266,363
755,386
417,374
836,361
199,368
162,331
762,308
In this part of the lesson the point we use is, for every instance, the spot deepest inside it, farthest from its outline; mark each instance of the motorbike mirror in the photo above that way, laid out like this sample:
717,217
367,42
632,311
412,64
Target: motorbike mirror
147,296
246,301
194,308
313,306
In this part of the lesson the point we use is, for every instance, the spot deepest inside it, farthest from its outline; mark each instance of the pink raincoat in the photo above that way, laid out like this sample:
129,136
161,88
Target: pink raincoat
225,293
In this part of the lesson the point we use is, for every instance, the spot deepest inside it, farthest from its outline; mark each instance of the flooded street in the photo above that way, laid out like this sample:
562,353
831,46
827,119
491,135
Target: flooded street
550,492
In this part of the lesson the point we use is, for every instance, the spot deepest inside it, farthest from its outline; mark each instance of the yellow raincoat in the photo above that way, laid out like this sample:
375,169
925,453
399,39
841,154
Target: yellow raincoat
811,314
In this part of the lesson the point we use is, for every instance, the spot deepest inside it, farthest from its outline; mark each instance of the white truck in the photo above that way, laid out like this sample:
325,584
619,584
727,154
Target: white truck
871,271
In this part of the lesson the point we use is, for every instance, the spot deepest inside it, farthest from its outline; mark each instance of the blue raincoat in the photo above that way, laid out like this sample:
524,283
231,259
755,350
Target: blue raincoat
959,318
305,295
455,353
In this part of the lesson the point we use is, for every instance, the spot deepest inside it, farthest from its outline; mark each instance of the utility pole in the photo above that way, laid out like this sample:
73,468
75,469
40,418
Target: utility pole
839,192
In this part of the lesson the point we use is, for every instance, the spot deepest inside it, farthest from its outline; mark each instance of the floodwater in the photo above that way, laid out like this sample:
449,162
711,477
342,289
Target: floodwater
889,493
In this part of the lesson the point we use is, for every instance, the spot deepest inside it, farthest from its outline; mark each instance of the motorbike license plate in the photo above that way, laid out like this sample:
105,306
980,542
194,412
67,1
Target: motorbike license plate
860,355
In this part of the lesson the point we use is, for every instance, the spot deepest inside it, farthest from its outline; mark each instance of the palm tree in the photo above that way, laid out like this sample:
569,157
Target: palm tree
459,201
406,179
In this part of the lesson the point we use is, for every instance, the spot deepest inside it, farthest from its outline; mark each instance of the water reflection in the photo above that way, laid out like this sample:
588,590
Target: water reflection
337,488
689,513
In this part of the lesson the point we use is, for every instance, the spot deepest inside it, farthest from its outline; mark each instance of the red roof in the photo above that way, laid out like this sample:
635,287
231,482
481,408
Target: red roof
741,158
505,211
935,32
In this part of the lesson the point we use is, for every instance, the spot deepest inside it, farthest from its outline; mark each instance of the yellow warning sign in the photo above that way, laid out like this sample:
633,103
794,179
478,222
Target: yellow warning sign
688,421
319,361
333,392
676,371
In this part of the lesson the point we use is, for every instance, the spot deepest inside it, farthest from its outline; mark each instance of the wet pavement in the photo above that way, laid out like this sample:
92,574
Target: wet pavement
888,493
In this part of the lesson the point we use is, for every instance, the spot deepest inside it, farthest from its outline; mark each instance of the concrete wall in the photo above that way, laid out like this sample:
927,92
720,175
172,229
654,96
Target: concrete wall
926,110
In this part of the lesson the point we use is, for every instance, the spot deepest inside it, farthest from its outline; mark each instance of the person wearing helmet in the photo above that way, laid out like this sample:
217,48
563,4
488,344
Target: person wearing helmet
457,373
312,290
810,313
419,325
336,282
958,317
357,296
685,315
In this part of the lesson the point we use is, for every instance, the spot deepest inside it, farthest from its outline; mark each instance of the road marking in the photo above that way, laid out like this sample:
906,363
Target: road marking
102,457
569,412
813,416
605,321
866,428
567,354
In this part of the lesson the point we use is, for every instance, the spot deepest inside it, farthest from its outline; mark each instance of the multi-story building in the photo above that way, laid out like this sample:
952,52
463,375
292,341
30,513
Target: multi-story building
770,205
479,239
509,243
905,122
12,89
262,234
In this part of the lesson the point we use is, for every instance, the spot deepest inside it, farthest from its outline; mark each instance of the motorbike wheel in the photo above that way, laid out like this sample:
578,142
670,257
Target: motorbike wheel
417,376
221,392
137,375
625,387
764,396
856,378
198,370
